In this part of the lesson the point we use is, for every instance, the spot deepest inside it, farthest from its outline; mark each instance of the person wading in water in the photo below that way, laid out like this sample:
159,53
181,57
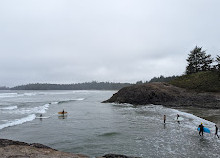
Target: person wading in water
177,116
164,119
201,129
216,131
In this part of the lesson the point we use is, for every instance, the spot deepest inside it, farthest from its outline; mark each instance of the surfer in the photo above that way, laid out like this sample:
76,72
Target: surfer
216,131
164,118
40,115
177,116
201,129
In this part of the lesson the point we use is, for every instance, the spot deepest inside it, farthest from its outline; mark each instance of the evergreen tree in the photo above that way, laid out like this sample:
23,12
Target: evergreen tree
206,62
198,61
218,63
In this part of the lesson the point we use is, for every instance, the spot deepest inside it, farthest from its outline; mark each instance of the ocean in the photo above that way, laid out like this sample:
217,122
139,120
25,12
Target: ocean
95,129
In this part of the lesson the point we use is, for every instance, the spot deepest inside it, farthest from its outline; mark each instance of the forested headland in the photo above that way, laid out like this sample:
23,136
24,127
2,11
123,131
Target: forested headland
77,86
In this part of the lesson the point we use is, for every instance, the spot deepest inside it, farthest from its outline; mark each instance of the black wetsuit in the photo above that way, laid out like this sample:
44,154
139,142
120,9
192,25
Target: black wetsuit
201,129
177,118
216,131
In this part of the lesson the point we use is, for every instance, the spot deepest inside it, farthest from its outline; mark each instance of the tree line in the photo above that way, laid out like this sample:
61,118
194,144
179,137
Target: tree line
94,85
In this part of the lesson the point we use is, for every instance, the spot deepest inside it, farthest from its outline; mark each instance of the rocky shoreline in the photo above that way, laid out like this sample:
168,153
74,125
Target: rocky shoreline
16,149
165,94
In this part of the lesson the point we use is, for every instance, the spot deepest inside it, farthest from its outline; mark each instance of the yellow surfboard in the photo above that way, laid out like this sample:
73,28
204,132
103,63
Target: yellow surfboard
62,112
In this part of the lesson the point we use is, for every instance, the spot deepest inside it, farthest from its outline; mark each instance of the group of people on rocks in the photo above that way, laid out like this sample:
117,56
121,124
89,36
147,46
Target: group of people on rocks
201,127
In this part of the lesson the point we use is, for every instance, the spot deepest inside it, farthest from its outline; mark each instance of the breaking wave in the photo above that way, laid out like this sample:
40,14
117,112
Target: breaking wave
18,121
66,101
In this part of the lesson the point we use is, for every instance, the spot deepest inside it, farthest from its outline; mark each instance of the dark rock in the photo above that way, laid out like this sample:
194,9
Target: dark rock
6,142
117,156
164,94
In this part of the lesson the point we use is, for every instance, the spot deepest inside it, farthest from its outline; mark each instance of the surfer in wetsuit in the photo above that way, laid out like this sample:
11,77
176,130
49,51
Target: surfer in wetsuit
164,118
177,116
216,131
201,129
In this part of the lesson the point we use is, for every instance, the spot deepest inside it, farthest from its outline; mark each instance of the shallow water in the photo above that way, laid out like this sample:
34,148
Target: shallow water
95,129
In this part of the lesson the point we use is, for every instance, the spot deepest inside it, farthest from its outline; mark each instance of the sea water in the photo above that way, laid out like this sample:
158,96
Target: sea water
94,128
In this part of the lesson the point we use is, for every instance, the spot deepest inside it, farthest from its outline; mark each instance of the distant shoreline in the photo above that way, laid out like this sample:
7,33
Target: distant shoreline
75,86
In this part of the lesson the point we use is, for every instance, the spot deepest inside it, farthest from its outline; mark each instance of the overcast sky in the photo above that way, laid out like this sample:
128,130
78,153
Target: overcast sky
71,41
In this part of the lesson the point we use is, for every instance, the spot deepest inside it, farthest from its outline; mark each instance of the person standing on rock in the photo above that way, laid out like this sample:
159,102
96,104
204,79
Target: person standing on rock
216,131
164,118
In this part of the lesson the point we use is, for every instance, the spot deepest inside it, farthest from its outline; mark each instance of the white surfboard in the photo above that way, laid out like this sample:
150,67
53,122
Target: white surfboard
179,119
42,117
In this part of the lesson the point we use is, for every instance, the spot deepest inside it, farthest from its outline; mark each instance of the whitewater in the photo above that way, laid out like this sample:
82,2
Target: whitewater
95,129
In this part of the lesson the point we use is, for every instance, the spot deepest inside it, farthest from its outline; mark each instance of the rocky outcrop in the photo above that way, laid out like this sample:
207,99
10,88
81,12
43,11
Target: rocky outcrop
16,149
164,94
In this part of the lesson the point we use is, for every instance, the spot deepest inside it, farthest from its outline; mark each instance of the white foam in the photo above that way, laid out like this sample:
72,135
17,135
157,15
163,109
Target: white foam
79,99
7,95
11,95
122,104
18,121
56,102
40,109
34,110
29,94
9,108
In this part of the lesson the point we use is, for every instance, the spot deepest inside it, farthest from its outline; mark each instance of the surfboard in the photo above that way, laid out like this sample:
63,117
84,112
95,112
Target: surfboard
205,129
42,117
62,112
179,119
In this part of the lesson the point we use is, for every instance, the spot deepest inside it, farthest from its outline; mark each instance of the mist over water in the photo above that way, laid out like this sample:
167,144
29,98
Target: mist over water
95,129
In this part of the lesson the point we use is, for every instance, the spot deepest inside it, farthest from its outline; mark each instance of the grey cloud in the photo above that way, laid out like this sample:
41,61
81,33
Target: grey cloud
76,41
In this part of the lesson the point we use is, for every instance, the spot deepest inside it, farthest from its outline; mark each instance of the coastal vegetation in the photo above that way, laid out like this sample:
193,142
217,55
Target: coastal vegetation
204,81
202,72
